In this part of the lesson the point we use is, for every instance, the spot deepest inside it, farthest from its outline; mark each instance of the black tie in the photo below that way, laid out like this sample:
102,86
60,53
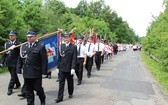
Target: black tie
89,47
12,43
79,50
30,45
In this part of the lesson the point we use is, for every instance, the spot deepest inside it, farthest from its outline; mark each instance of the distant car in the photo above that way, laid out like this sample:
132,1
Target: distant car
135,47
124,48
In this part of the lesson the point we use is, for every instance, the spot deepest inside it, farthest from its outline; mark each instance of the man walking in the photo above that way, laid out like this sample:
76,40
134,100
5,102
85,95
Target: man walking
11,58
99,47
35,65
81,59
66,67
90,52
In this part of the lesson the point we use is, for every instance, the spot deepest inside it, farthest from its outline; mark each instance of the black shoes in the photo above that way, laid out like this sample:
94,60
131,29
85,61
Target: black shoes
9,92
48,76
57,100
98,68
70,96
21,95
88,76
79,83
43,103
57,80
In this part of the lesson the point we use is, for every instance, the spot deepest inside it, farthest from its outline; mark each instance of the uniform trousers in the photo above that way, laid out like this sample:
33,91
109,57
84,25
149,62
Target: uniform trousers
62,77
79,69
89,64
23,90
14,78
98,60
102,59
31,85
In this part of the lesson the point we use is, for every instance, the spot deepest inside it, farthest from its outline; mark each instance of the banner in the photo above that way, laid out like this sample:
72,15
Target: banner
72,38
51,44
94,36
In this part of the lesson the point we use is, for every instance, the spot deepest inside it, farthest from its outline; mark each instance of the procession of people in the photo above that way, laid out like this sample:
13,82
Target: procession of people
31,60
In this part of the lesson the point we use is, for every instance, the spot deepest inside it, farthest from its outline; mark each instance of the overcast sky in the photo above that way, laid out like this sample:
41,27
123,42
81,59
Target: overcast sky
138,13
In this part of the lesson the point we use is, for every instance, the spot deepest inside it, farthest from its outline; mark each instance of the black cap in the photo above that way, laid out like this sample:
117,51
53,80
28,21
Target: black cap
80,37
13,33
31,33
67,34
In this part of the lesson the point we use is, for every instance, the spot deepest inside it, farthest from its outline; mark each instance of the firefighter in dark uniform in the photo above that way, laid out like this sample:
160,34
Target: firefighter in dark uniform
10,58
34,67
20,64
66,67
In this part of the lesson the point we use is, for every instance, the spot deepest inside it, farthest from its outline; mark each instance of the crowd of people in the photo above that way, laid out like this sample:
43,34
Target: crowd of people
31,60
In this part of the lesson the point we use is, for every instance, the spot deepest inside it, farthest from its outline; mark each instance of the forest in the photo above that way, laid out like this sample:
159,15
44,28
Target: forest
155,45
49,15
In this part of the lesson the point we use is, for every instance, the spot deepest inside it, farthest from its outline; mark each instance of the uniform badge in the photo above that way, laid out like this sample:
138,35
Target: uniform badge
62,53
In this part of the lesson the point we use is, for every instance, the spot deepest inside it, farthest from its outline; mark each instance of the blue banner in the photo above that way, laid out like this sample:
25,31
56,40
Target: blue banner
52,50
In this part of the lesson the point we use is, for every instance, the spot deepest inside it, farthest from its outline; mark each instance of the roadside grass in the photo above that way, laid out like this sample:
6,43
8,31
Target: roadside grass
156,69
3,70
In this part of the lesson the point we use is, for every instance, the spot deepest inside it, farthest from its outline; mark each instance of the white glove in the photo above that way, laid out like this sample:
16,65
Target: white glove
12,47
8,52
19,75
1,65
72,71
44,76
57,70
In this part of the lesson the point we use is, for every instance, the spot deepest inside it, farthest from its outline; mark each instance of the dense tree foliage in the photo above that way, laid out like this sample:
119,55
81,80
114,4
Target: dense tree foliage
49,15
156,40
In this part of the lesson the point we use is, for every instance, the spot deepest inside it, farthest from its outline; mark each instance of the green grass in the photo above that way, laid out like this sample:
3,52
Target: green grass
157,71
3,70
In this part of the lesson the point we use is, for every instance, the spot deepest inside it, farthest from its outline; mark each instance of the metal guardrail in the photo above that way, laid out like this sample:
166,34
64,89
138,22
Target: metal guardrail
154,58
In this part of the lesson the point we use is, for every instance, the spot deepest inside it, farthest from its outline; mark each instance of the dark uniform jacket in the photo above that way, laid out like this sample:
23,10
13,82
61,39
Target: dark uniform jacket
10,58
33,61
67,58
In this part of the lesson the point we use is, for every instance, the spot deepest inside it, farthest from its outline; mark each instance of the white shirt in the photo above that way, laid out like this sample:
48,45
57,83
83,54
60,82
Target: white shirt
99,47
82,50
13,42
67,44
91,50
31,44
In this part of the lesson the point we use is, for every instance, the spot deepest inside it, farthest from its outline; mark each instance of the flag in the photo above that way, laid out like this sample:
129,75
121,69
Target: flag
51,45
59,40
72,37
94,37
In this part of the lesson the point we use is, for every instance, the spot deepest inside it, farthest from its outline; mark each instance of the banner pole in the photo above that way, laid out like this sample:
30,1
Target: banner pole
39,38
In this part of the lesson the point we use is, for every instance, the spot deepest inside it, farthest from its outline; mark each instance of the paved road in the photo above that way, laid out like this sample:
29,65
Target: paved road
124,81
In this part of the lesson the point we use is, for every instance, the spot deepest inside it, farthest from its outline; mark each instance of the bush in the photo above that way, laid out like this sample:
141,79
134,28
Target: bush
3,69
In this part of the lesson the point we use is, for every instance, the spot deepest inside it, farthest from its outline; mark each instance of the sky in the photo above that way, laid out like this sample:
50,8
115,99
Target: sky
138,13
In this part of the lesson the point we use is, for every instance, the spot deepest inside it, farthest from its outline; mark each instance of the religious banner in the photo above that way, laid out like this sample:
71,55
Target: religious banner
51,44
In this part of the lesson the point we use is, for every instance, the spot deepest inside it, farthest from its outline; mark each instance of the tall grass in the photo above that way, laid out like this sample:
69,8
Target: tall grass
157,70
